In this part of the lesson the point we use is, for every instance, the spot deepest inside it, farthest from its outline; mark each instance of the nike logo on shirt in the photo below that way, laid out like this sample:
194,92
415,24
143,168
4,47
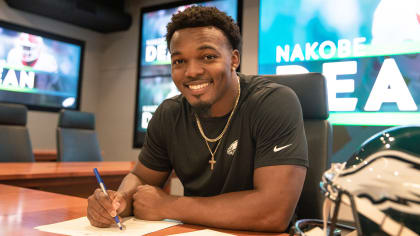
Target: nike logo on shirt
276,149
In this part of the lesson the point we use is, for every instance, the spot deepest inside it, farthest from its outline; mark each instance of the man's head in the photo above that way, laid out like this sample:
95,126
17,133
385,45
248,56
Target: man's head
30,46
204,58
197,16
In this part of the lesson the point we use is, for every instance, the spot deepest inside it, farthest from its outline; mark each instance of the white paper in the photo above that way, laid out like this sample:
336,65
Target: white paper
82,227
204,232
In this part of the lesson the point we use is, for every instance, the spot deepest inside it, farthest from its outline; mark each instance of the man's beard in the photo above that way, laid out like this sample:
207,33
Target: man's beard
202,109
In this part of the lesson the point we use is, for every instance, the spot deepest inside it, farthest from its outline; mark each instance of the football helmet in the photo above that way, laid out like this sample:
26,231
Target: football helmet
381,184
31,46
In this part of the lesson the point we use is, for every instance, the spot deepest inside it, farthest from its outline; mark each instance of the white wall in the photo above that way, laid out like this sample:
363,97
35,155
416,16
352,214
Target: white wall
42,125
249,63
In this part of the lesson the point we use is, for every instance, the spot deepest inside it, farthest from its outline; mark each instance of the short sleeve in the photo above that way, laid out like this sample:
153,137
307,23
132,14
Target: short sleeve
278,129
154,154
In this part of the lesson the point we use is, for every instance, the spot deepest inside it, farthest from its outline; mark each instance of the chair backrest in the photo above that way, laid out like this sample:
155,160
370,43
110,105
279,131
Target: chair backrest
311,90
15,144
76,137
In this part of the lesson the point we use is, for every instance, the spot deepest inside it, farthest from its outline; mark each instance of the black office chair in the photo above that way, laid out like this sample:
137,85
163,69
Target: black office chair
76,137
15,144
312,93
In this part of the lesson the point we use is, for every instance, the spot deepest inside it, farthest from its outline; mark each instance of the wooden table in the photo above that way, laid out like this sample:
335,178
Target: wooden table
71,178
23,209
45,154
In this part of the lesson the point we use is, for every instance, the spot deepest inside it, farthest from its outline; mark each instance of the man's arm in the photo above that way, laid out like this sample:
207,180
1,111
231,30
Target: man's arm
269,207
101,209
140,175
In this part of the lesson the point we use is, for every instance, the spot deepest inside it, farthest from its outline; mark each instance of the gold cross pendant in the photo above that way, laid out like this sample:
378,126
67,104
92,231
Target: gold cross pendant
212,162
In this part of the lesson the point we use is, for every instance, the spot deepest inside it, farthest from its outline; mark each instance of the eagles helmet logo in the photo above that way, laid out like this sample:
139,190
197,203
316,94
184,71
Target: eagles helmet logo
381,183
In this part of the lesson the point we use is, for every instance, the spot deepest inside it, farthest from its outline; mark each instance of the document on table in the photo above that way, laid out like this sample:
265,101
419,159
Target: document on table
82,227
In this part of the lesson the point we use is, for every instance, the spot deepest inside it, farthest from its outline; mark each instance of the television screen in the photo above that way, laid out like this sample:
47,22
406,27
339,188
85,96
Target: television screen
154,68
39,69
367,50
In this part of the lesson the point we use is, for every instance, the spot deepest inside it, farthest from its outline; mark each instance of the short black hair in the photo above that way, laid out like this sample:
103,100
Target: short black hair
199,16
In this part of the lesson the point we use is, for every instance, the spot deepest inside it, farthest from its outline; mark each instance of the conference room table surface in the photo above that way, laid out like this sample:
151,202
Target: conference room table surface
22,209
70,178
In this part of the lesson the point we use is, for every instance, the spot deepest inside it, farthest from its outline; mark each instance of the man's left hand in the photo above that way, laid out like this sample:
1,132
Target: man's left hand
150,203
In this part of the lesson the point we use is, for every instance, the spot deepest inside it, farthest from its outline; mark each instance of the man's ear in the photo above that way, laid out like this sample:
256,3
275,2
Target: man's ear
236,59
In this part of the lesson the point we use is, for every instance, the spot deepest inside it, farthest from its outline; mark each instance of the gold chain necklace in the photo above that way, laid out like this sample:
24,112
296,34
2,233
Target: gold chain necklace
207,140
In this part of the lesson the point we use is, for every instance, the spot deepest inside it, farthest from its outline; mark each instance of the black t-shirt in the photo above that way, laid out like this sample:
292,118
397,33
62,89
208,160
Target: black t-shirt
266,129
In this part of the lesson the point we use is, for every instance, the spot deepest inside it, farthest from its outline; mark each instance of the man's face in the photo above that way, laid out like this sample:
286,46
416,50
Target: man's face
202,61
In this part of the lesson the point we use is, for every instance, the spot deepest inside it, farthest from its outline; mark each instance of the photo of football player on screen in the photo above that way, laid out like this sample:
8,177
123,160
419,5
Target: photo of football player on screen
39,70
30,51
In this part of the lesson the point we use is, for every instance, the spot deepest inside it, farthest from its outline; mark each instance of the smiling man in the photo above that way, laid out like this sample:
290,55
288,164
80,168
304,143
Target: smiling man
236,142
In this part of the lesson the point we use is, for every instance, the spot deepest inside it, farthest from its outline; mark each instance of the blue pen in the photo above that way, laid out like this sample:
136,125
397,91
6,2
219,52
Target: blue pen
102,185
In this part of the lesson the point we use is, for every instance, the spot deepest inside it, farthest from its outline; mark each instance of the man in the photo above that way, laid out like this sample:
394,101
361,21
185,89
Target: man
236,142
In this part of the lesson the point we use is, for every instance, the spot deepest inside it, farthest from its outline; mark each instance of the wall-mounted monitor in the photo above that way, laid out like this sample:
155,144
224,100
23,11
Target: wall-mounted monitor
39,69
369,52
154,81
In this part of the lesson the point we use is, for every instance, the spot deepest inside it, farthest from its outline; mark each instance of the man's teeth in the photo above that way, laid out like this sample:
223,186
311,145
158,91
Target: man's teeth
198,86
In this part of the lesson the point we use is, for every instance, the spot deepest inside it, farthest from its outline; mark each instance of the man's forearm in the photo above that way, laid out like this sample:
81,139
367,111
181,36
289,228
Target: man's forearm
138,176
127,188
245,210
268,207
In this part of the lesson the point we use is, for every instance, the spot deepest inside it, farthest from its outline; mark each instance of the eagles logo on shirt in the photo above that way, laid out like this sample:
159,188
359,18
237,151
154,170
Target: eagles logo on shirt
232,148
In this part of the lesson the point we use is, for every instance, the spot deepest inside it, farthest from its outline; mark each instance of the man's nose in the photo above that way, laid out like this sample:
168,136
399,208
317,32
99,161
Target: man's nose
194,69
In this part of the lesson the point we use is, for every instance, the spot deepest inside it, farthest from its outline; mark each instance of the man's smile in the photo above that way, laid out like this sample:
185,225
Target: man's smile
198,86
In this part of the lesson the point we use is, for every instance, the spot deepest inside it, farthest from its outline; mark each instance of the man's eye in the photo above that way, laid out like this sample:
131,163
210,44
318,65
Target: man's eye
177,62
209,57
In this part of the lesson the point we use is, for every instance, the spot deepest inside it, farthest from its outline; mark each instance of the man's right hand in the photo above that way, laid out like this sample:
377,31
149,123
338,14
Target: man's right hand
101,209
